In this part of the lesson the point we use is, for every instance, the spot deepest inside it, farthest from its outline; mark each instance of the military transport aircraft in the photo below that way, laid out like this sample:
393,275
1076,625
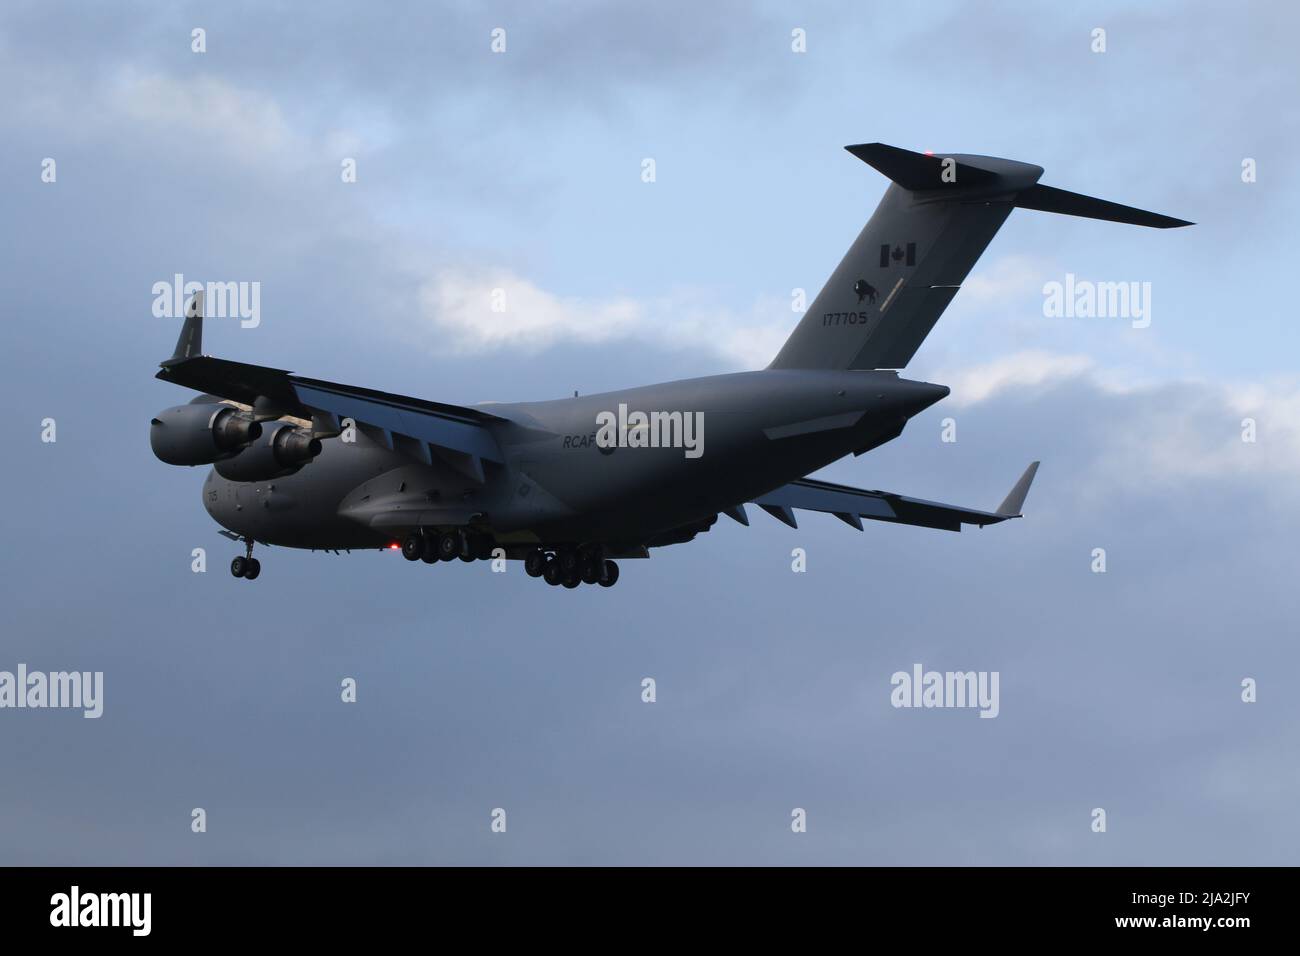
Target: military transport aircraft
569,486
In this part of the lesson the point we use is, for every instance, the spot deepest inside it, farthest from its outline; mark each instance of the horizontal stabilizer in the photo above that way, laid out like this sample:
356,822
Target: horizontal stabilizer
919,172
1051,199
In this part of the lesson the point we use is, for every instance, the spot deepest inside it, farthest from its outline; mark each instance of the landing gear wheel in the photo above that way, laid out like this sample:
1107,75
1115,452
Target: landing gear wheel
610,576
448,546
569,560
468,548
572,579
413,546
252,569
535,563
590,571
429,548
551,573
481,546
239,567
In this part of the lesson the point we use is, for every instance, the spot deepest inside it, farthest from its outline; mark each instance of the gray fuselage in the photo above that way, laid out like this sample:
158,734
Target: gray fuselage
558,485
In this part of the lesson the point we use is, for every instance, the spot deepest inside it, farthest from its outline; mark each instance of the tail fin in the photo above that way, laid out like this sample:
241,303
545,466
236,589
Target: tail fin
935,220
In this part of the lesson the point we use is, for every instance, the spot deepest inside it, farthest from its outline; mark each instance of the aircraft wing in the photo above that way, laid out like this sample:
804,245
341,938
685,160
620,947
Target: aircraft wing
462,436
850,505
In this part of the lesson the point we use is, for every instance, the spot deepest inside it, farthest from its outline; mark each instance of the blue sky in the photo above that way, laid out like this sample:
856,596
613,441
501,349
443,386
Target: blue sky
522,171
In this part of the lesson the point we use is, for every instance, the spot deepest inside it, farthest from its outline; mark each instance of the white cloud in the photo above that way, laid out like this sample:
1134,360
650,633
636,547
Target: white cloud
1197,429
183,115
1013,278
1168,431
222,115
1029,369
459,304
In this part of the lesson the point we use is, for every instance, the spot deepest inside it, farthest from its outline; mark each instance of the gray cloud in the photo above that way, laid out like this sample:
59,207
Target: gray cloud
479,690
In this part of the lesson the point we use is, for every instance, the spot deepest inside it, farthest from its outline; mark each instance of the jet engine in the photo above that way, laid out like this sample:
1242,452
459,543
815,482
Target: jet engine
201,433
281,450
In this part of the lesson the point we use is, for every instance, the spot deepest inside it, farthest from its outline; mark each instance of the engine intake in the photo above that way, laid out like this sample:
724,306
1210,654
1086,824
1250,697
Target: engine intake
282,450
201,433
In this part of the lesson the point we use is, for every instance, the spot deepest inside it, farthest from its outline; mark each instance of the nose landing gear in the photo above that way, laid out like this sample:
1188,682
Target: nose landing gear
246,567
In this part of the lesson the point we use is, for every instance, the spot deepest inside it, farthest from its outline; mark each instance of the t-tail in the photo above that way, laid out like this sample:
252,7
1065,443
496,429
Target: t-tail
937,217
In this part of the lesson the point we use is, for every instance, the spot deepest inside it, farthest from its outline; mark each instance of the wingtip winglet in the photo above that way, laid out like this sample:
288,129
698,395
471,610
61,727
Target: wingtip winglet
1015,499
190,343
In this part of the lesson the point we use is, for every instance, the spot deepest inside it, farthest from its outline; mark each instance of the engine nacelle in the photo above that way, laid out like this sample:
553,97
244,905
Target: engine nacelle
201,433
282,450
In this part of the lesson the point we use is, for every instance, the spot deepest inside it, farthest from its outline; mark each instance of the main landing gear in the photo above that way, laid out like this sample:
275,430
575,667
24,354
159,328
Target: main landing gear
430,546
570,567
563,566
247,567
